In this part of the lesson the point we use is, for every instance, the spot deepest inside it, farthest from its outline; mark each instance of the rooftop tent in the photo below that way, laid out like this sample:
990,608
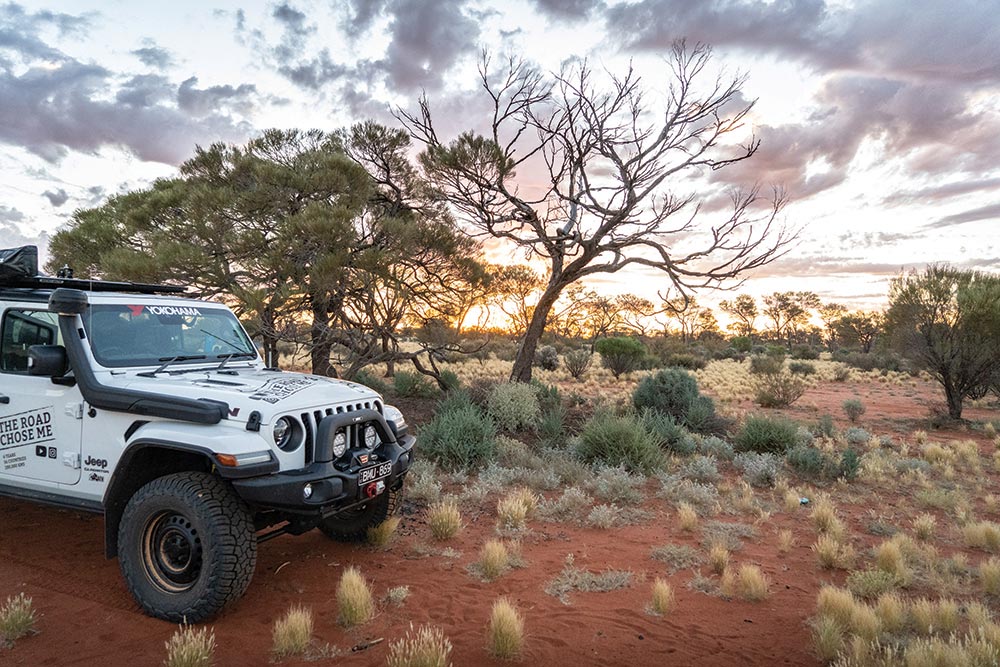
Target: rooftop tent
19,262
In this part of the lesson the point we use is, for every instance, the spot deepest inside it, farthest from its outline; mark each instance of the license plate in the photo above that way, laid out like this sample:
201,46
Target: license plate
375,472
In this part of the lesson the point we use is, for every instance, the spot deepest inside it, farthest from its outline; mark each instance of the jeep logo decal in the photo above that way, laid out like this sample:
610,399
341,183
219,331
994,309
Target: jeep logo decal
96,463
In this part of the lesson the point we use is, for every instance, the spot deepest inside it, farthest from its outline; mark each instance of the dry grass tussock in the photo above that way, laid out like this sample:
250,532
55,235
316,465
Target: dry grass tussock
292,632
982,535
786,540
748,582
989,576
354,598
832,554
425,646
445,519
190,648
687,517
663,601
495,559
514,509
505,633
17,618
381,536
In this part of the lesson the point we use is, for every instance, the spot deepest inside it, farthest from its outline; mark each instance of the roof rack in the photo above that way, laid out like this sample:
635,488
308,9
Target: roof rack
19,268
49,282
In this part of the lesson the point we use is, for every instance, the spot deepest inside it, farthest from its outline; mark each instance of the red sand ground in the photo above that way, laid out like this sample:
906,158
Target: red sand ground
87,617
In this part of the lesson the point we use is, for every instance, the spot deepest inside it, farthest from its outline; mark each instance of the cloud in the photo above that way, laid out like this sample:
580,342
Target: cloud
145,90
154,56
989,212
56,197
9,214
935,193
568,10
205,101
426,40
361,15
19,31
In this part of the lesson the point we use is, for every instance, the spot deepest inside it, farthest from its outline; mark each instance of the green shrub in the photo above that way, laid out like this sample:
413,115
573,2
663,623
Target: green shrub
409,384
766,365
805,352
717,447
802,368
689,361
759,469
621,354
857,436
767,434
741,344
667,433
825,427
547,358
701,469
514,406
849,464
450,380
368,379
841,373
551,427
807,460
619,441
853,408
577,362
461,437
674,392
777,390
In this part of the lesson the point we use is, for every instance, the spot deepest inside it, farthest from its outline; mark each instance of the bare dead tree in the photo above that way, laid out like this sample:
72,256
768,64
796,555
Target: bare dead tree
614,164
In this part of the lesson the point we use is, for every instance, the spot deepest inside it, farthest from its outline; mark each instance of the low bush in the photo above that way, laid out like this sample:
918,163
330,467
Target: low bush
777,390
17,618
701,469
674,392
577,362
714,446
369,379
808,461
805,352
459,438
741,344
409,384
547,358
514,406
619,441
621,354
765,365
759,469
802,368
667,433
688,361
850,463
767,435
857,436
853,408
825,427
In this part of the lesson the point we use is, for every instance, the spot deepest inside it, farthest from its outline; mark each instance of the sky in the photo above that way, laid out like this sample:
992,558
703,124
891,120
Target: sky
880,119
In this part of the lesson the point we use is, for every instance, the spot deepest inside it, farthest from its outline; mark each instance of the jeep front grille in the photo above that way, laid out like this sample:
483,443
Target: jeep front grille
312,418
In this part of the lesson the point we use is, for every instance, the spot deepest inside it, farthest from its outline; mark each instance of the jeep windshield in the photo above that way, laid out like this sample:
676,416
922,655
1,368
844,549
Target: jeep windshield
150,334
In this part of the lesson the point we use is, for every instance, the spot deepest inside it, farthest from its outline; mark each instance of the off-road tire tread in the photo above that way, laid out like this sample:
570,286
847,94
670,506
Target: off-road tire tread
236,544
385,506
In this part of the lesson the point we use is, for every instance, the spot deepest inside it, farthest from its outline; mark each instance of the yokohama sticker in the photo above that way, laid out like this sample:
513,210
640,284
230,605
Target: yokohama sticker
281,388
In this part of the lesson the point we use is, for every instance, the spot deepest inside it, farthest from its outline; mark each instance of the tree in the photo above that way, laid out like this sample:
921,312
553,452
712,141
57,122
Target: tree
515,290
947,322
830,314
859,328
743,310
789,311
607,201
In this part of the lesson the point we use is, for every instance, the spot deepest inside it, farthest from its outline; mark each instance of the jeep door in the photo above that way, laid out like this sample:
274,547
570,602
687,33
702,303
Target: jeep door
40,421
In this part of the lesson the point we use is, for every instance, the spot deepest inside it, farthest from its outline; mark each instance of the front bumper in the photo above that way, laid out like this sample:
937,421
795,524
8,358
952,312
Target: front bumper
334,485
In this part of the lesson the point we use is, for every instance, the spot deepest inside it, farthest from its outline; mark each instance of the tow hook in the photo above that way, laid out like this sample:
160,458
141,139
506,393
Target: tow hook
374,489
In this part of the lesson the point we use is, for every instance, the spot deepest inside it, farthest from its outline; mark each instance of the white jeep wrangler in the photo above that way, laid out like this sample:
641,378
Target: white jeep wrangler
157,411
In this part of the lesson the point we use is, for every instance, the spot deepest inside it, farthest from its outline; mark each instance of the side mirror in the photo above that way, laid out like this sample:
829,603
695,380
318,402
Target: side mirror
47,360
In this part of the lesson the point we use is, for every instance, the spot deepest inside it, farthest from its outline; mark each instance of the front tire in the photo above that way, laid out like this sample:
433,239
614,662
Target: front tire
186,547
352,525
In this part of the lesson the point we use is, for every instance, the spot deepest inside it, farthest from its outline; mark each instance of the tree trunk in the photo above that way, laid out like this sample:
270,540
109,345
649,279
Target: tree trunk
320,343
536,327
390,363
954,398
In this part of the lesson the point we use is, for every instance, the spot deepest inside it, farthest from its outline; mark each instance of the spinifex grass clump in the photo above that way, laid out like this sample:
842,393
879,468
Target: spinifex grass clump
292,632
422,647
445,519
662,601
381,536
190,648
506,630
354,598
17,618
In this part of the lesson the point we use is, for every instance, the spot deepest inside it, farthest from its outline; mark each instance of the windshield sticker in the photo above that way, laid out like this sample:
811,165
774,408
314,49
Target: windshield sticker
26,428
278,389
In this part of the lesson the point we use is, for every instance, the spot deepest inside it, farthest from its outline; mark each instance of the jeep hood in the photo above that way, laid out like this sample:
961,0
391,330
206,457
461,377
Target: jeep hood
248,389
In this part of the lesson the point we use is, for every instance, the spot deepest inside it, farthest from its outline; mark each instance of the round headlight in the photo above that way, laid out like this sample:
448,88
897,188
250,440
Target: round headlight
371,437
339,444
282,432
